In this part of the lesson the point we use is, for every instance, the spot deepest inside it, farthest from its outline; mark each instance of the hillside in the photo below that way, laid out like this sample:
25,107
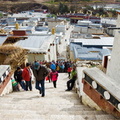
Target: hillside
20,5
14,6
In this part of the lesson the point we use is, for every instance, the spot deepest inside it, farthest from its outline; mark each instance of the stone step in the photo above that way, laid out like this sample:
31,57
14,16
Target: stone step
35,116
84,112
36,110
99,117
37,107
41,117
56,105
66,117
106,117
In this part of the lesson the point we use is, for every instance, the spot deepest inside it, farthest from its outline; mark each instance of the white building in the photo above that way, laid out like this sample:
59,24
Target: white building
60,28
41,47
113,69
29,23
88,27
52,23
10,19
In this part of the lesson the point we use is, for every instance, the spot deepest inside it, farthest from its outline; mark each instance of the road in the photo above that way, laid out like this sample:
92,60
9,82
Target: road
64,43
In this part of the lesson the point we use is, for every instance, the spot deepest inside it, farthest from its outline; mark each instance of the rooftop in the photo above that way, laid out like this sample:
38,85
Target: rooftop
103,41
36,44
92,53
29,15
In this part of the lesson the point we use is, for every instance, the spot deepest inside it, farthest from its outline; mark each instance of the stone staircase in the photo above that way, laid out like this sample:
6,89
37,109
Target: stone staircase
56,105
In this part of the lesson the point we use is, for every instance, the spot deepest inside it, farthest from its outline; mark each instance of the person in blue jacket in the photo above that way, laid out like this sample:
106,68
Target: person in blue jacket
52,66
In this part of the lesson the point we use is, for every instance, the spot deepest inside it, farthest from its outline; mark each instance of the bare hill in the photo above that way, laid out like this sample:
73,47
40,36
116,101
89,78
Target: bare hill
20,5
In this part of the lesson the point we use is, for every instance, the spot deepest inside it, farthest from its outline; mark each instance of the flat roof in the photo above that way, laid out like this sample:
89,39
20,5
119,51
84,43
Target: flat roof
21,27
103,41
29,14
91,53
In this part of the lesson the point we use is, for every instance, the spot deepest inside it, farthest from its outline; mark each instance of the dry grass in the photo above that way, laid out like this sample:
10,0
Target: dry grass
12,55
9,49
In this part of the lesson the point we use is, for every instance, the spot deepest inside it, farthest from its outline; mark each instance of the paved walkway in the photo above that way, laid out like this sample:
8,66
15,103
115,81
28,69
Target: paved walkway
56,105
65,42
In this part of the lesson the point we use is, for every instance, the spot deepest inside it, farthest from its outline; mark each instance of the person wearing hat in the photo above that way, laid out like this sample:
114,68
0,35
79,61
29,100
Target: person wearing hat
26,74
18,77
40,72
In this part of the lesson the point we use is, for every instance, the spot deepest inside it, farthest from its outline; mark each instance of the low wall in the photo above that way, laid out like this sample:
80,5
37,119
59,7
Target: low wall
8,89
101,90
5,79
85,99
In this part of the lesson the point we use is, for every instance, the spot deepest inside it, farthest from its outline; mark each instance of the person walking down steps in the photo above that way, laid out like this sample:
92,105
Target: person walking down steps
54,77
40,72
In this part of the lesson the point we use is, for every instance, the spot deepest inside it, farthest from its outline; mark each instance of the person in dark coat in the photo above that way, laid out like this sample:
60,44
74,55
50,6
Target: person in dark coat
18,77
40,72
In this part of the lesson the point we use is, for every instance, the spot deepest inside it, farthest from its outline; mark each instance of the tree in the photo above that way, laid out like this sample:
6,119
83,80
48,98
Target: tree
63,8
53,9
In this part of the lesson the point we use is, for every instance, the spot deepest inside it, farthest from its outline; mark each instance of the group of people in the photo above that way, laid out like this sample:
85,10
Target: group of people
24,77
41,72
59,65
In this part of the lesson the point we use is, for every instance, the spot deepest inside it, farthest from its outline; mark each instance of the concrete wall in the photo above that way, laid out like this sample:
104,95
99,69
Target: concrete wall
53,53
111,32
33,57
100,91
7,89
52,24
48,56
113,69
95,30
60,28
29,23
85,99
79,80
88,30
5,79
71,56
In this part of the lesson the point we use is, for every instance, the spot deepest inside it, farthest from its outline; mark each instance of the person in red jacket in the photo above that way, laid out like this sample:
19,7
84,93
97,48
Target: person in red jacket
26,74
69,71
54,77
